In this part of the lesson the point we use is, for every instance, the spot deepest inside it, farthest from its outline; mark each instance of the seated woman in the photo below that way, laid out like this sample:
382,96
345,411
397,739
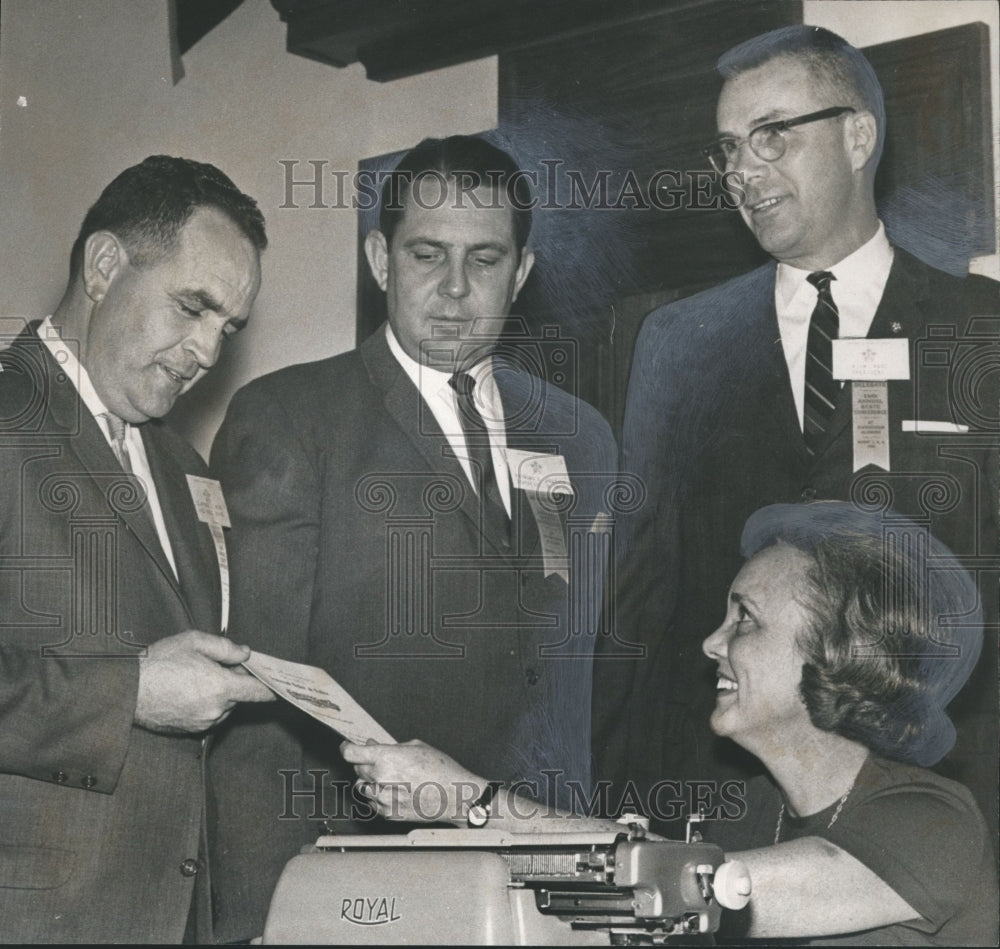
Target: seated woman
846,635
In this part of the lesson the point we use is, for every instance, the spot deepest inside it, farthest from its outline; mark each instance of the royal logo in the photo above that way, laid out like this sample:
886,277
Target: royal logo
365,912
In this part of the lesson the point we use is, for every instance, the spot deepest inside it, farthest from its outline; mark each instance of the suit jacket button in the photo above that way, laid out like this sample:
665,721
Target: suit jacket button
89,781
189,867
531,676
808,493
60,777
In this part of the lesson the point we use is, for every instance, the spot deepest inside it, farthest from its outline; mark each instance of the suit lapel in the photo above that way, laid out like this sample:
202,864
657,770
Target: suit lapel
417,423
525,538
525,401
780,413
87,443
903,313
900,313
190,540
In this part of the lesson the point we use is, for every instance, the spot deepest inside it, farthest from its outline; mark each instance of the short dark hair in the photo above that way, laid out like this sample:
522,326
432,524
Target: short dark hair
467,158
833,62
896,624
147,204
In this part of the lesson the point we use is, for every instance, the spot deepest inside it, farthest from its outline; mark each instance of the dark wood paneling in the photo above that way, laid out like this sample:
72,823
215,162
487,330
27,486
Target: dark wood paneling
935,180
648,92
635,100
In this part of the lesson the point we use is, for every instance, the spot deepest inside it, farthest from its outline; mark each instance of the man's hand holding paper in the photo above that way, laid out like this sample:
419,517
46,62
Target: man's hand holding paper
317,694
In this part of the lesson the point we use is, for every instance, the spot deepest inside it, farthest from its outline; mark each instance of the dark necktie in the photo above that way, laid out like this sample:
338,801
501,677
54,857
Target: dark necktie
495,520
822,390
117,427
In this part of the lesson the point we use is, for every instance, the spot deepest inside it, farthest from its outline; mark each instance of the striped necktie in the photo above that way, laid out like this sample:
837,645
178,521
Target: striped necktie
117,428
822,390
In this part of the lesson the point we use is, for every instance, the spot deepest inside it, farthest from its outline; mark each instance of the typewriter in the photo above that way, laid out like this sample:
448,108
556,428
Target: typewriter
487,887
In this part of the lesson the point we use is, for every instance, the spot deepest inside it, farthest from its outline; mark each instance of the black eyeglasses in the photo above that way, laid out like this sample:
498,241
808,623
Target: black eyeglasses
766,141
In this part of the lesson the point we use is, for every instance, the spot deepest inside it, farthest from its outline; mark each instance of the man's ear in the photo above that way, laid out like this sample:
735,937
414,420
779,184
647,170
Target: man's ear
523,269
377,252
861,131
103,259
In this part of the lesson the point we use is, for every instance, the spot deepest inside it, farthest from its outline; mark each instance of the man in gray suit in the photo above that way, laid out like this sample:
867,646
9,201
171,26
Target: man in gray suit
111,666
421,517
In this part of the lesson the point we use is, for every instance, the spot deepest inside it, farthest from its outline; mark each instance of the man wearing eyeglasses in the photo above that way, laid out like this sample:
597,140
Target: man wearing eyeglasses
734,402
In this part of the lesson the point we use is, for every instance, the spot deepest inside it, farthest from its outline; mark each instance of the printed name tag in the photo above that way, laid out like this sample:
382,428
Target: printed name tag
538,472
555,558
208,500
540,476
871,360
211,507
870,424
869,364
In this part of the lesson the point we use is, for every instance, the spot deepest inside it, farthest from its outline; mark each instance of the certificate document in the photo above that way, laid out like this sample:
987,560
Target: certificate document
319,695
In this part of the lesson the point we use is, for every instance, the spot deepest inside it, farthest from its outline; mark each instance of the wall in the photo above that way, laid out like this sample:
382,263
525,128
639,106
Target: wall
865,23
96,76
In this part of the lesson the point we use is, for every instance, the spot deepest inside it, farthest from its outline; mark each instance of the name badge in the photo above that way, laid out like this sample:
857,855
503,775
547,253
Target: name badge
206,493
871,360
869,364
540,476
208,500
870,424
538,472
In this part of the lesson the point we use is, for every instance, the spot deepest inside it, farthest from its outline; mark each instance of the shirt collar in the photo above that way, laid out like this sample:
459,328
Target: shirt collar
869,264
431,381
74,369
867,267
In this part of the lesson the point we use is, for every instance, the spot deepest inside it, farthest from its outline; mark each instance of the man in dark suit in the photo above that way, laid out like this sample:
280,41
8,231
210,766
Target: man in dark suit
421,517
733,403
111,671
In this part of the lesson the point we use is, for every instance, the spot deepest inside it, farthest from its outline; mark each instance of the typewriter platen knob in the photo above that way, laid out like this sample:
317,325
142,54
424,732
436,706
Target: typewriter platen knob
731,885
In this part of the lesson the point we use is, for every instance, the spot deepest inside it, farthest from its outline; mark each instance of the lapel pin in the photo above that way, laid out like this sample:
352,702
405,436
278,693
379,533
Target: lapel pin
897,327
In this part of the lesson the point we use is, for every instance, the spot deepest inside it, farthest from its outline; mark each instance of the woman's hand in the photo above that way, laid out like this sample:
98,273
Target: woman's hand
417,783
413,782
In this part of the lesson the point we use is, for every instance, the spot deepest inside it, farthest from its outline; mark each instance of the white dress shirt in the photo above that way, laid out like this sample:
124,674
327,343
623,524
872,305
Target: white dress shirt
438,395
80,378
857,289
